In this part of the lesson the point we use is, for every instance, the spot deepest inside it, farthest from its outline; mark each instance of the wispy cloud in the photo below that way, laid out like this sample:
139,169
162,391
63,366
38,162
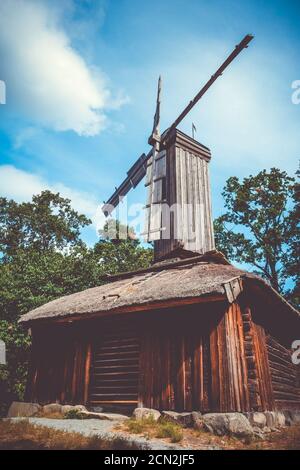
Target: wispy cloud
21,185
47,80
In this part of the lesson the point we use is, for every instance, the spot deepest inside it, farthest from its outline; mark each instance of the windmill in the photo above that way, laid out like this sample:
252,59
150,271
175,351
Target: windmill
178,207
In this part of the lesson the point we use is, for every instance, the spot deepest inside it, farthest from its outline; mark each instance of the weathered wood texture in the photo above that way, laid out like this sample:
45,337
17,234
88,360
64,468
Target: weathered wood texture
188,197
59,365
208,356
284,375
230,390
115,367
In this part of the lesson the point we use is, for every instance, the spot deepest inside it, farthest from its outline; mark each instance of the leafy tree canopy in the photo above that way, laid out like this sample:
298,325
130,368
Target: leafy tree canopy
260,226
48,222
36,268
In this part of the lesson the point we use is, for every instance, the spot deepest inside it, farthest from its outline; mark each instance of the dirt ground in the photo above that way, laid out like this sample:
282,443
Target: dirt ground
23,435
287,438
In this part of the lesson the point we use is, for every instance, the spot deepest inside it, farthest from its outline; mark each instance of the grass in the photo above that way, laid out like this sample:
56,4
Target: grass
170,430
286,439
152,428
72,414
24,435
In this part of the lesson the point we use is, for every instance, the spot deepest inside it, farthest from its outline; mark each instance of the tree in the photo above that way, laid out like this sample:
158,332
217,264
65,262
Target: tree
259,227
292,257
120,250
35,269
48,222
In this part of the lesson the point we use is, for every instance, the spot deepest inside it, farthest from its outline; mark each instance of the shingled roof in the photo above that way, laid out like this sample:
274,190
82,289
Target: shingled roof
182,281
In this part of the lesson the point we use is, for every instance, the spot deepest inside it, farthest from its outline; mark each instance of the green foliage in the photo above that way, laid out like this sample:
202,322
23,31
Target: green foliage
169,430
120,250
161,429
138,426
259,227
48,222
13,374
73,414
43,257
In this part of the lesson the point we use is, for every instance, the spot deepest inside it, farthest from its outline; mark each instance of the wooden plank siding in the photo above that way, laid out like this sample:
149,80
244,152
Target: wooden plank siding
229,379
60,359
284,374
188,193
208,356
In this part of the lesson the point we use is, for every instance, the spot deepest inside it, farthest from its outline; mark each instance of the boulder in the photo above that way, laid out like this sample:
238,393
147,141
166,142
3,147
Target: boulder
258,432
52,408
21,409
270,417
279,419
267,430
66,408
77,408
102,416
275,419
197,420
292,417
183,419
146,413
257,419
232,424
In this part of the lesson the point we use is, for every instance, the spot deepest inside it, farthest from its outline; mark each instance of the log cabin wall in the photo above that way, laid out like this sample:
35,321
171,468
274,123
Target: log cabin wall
285,375
190,358
273,378
59,364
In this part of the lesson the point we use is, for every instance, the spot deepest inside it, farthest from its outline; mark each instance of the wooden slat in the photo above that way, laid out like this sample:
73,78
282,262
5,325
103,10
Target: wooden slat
115,371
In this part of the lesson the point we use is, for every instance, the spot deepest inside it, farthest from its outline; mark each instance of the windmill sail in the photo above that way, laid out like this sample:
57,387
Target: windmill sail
134,175
176,172
156,195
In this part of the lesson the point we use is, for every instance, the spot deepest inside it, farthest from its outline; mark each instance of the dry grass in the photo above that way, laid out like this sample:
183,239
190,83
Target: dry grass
24,435
151,428
286,439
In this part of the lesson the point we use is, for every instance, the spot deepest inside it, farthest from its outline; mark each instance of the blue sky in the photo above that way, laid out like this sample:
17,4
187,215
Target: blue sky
81,83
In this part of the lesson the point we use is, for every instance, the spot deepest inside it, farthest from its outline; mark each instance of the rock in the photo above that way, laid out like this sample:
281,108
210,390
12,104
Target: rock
275,419
266,430
22,409
183,419
79,408
279,419
145,413
52,408
270,417
239,425
66,408
258,432
257,419
292,417
233,424
102,416
197,420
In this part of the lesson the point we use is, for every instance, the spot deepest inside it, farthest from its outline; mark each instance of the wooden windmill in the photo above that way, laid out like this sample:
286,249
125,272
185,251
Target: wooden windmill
178,207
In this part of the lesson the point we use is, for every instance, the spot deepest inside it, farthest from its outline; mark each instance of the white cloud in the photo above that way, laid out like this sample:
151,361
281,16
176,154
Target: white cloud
47,80
20,185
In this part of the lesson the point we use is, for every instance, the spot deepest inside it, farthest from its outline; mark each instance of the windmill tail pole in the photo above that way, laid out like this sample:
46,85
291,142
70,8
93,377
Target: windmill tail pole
242,45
